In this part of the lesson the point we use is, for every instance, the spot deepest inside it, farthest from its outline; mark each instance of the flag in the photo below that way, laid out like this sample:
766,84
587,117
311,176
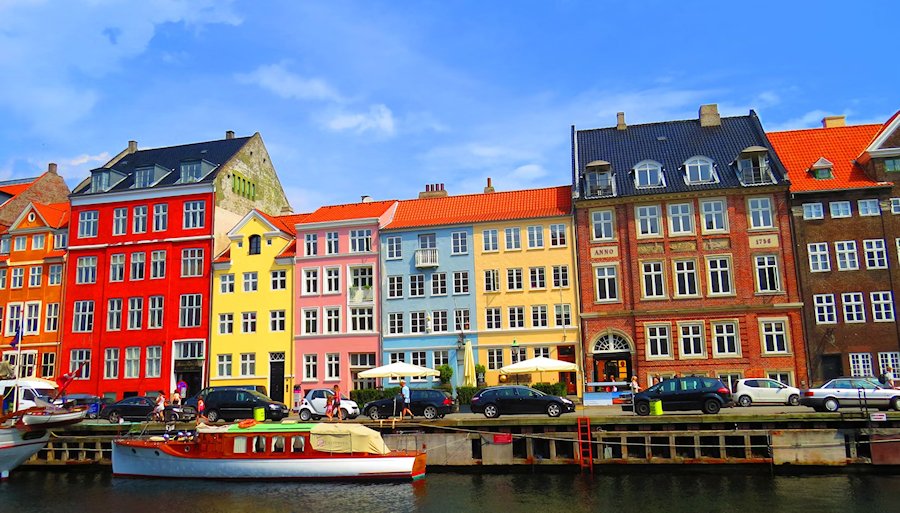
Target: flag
17,339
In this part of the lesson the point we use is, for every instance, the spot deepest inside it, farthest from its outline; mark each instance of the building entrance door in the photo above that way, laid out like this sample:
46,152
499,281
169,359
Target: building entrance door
832,366
276,376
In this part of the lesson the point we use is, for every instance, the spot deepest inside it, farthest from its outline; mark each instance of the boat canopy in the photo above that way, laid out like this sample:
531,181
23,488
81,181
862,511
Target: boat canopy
347,438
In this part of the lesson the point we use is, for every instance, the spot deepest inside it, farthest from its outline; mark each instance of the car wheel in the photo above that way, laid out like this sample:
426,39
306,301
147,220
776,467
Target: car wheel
554,410
711,406
172,417
895,403
831,404
794,400
642,409
491,411
114,417
212,415
745,401
305,415
430,412
373,413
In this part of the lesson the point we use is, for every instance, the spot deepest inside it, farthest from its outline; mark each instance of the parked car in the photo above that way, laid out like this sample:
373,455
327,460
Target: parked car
140,408
842,392
93,403
683,394
511,399
764,390
313,405
192,401
430,404
236,403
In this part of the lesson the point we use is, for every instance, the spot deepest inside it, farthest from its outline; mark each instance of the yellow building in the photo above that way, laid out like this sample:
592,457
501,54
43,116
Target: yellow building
527,289
252,323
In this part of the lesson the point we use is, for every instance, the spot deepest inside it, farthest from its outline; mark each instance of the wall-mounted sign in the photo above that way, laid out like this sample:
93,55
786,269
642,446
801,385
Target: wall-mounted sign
764,241
605,252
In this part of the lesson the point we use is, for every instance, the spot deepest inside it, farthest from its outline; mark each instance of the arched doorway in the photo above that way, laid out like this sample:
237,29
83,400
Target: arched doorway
612,357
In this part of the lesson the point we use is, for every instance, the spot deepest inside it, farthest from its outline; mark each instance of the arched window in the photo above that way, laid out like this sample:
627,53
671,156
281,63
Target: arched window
255,244
648,174
611,343
699,170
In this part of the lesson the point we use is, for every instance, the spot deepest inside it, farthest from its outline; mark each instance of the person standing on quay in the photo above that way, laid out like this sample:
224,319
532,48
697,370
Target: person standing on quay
404,390
635,386
336,405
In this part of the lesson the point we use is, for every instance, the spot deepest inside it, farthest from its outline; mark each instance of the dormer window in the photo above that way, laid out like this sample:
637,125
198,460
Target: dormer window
191,171
699,170
753,166
143,177
892,165
100,181
648,174
599,180
823,169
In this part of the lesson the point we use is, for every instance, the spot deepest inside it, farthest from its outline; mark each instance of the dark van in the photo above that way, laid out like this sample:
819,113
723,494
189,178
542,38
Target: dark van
234,403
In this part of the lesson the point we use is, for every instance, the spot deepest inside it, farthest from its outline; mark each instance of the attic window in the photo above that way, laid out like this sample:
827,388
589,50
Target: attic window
648,174
699,170
190,171
143,177
100,181
753,166
599,180
822,169
892,165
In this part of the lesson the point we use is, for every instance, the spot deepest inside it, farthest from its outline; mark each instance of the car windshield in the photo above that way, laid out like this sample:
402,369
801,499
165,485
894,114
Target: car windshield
257,395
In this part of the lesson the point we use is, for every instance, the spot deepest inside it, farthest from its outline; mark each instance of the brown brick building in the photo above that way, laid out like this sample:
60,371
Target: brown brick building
684,249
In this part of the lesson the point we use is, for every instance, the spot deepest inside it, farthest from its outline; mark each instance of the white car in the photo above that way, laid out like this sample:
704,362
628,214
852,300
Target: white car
764,390
853,391
313,405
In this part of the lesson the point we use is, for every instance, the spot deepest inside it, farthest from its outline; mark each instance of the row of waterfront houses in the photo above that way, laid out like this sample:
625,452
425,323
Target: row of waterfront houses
702,246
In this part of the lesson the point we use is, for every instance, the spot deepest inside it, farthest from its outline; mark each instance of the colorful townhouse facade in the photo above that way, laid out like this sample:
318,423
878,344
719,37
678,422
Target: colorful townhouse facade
845,210
337,276
144,230
685,255
252,339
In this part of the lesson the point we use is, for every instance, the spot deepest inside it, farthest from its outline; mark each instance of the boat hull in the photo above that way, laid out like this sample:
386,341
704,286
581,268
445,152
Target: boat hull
134,460
16,449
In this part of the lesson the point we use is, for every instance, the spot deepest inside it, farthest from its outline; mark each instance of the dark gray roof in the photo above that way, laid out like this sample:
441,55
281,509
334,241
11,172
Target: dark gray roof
170,157
672,143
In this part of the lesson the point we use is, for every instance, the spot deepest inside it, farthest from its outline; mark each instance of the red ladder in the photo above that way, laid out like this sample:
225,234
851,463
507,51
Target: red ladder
585,445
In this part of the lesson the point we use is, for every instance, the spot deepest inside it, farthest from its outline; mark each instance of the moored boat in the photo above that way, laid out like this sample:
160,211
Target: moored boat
24,433
268,451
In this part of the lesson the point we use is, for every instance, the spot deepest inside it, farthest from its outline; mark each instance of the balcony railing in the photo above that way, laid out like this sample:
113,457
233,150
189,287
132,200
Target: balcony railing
361,295
427,258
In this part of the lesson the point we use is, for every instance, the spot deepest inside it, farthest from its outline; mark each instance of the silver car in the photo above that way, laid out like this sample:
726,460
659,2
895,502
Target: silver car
851,392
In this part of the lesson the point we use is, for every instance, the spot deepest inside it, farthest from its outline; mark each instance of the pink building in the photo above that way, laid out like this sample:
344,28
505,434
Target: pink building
337,329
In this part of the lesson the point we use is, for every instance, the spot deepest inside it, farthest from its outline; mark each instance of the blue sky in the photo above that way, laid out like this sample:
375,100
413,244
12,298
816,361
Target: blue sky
381,97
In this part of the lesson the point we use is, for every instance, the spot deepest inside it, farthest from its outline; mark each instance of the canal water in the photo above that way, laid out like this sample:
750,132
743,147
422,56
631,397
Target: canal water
30,491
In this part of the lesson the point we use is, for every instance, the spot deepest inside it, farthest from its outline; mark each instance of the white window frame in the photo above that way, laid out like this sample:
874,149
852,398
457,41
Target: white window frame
603,226
825,308
813,211
681,219
760,213
846,255
714,210
648,221
819,258
882,306
868,207
839,209
854,307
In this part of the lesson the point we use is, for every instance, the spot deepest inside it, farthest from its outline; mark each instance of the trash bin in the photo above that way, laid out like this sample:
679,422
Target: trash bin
259,414
656,407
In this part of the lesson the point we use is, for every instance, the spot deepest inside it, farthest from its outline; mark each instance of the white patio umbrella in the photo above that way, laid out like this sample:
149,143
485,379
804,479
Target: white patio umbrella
398,370
538,364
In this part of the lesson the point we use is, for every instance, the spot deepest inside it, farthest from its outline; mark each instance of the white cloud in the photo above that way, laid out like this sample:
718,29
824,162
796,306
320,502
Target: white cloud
279,80
810,119
379,119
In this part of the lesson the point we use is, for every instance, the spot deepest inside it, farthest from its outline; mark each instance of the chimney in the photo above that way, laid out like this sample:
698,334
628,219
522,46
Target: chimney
365,198
229,134
287,210
620,121
834,121
51,168
709,115
132,147
433,190
490,188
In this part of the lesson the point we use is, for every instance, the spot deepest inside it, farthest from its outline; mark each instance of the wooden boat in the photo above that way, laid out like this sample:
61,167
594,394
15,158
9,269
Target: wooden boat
268,451
24,433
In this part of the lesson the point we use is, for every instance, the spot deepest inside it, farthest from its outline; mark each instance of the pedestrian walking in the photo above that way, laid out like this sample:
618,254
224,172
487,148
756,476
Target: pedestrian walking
404,391
336,404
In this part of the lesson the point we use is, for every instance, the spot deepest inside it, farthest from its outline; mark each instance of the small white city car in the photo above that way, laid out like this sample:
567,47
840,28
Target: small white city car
314,404
764,390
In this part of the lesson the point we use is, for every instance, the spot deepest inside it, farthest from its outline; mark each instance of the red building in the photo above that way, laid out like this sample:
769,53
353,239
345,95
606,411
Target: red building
686,262
145,228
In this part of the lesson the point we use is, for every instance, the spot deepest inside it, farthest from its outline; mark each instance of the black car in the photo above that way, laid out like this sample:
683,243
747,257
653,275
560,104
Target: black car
141,408
192,401
430,404
504,400
679,394
237,403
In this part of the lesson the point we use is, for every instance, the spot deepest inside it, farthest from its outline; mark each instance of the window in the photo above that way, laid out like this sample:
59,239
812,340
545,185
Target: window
557,235
439,322
876,254
111,363
52,318
190,310
514,279
18,275
393,248
607,286
139,219
332,244
719,269
132,362
114,314
813,211
854,310
395,323
847,259
32,318
599,183
715,219
332,280
417,285
681,219
760,213
648,174
652,279
818,257
250,282
892,166
492,318
691,343
117,267
160,217
495,359
48,365
191,262
248,322
80,359
882,306
54,277
537,278
517,354
489,242
223,365
648,221
895,205
310,321
825,309
226,283
248,364
774,336
439,284
254,245
332,319
460,282
861,364
427,241
3,278
560,276
563,314
753,169
362,319
137,266
440,357
513,239
658,344
194,214
460,243
311,244
491,280
539,316
602,225
135,313
226,323
360,241
767,278
725,339
85,271
332,366
417,322
191,172
35,276
277,320
869,207
310,367
685,277
542,352
83,319
839,209
37,242
461,319
20,243
120,221
310,282
4,245
14,319
699,170
395,287
888,359
516,316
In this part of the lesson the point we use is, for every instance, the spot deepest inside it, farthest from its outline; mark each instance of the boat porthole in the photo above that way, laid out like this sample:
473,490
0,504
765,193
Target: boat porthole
187,449
156,453
133,451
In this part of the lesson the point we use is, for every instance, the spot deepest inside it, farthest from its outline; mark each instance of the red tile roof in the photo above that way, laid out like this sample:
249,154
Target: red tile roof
289,251
349,211
287,222
224,257
15,189
476,208
56,214
800,149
